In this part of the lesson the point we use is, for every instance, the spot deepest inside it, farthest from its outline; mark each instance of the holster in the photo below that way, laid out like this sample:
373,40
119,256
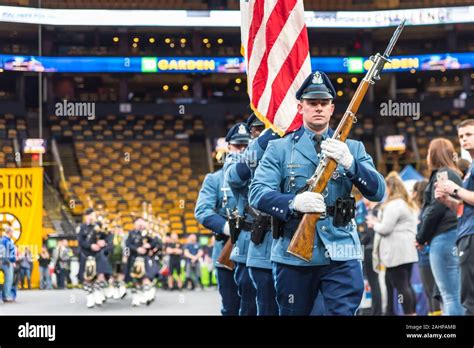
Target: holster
260,226
277,227
234,228
344,211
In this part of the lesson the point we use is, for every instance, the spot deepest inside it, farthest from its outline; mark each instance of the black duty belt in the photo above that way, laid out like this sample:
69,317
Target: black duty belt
329,212
342,212
246,225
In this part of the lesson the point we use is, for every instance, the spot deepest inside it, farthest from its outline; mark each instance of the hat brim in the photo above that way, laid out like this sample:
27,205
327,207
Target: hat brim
257,124
239,141
317,95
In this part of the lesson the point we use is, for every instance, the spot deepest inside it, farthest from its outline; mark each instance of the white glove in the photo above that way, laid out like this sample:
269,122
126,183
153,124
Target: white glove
338,151
226,229
309,202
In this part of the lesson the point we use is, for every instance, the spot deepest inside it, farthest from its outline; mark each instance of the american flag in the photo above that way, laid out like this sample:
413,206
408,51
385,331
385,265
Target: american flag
276,51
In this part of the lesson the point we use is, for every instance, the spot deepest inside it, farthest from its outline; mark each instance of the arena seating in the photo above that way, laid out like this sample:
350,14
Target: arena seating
113,127
11,127
430,126
125,161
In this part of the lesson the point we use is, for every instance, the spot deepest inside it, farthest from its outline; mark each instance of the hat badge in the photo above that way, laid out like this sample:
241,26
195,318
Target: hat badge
242,130
317,78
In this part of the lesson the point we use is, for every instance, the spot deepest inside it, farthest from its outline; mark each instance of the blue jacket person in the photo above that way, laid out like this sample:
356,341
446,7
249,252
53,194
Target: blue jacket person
210,211
238,138
335,269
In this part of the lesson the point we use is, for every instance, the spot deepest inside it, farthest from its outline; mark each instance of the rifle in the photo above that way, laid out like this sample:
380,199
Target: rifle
301,244
224,258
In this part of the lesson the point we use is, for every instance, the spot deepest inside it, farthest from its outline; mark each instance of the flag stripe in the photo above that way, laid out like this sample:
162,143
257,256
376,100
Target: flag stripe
285,63
256,39
288,72
275,37
273,28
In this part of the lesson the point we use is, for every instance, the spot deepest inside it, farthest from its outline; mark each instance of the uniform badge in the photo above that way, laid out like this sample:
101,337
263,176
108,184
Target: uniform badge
317,78
335,175
242,130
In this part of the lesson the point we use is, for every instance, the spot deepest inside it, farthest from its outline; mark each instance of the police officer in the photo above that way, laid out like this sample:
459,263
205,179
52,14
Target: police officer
335,270
213,203
140,265
93,265
258,256
234,163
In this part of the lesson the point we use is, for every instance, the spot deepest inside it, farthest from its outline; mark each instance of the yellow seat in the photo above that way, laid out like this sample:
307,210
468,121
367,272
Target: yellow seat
96,179
192,229
122,190
109,184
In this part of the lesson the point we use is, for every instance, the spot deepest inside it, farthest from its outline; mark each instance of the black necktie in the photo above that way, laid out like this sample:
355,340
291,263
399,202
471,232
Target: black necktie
318,139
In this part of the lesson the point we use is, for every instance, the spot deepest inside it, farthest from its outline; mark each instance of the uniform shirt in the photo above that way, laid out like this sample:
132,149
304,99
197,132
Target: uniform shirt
87,236
193,249
466,221
213,200
284,169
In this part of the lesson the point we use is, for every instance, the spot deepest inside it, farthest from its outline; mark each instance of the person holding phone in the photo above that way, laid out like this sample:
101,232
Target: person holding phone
461,200
438,226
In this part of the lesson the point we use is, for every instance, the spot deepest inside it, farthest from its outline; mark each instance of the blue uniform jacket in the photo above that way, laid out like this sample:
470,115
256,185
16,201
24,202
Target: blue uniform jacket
284,169
211,207
237,178
258,255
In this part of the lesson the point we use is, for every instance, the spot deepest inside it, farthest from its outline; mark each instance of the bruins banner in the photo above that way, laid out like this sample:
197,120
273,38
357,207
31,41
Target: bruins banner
21,208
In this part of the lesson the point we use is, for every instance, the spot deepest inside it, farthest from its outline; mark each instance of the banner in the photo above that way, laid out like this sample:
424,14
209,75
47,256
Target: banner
21,208
226,18
226,65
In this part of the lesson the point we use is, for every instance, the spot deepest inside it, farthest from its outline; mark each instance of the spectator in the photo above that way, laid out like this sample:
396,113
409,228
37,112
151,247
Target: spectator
461,199
175,251
397,231
438,226
44,261
61,261
426,275
26,264
364,208
8,263
193,253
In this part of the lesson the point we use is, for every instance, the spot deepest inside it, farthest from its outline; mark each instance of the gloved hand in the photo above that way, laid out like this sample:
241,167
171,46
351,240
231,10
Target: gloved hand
226,229
309,202
338,151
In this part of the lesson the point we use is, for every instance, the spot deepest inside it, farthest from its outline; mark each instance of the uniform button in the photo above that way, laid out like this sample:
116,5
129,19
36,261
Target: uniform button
323,228
281,211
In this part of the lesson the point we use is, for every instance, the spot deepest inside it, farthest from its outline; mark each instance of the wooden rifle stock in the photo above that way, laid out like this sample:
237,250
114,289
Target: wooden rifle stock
224,258
302,243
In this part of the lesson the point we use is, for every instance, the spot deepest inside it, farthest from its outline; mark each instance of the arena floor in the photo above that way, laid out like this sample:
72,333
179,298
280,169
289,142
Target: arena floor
73,302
